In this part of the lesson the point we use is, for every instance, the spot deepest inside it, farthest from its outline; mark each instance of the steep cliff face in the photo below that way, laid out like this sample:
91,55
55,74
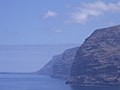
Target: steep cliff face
97,61
60,65
48,68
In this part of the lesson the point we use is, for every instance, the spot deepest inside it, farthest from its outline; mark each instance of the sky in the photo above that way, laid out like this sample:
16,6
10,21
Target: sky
36,22
28,58
54,21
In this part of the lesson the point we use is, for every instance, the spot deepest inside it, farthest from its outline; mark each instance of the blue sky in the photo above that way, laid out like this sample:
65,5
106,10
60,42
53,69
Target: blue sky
31,22
53,21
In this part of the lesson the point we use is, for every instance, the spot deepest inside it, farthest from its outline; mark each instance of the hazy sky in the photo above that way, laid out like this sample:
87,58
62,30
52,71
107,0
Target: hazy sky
28,58
54,21
49,22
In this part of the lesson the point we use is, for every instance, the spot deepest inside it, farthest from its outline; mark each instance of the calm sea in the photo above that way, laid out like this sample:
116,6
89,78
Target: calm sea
38,82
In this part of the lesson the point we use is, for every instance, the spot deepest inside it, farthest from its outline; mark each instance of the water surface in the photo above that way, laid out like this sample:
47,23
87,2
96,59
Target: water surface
39,82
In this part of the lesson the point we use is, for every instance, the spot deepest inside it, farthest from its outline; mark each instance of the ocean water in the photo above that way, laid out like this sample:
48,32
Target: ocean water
39,82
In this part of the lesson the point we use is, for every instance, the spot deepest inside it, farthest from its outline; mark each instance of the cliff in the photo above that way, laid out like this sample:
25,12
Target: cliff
60,65
97,61
48,68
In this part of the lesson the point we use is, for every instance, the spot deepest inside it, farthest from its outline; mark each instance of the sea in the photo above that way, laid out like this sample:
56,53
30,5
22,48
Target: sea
40,82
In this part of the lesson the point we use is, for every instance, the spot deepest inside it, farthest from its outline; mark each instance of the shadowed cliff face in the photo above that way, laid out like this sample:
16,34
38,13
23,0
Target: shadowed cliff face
97,61
48,68
60,65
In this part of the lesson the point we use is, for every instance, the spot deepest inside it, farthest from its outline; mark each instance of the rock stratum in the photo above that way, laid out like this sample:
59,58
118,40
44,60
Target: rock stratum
97,61
60,65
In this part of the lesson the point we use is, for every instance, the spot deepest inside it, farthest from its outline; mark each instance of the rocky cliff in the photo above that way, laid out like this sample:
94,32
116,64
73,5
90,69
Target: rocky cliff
48,68
97,61
60,65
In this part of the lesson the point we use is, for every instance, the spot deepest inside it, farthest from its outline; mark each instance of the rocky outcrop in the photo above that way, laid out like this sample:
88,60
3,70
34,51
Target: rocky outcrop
60,65
97,61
